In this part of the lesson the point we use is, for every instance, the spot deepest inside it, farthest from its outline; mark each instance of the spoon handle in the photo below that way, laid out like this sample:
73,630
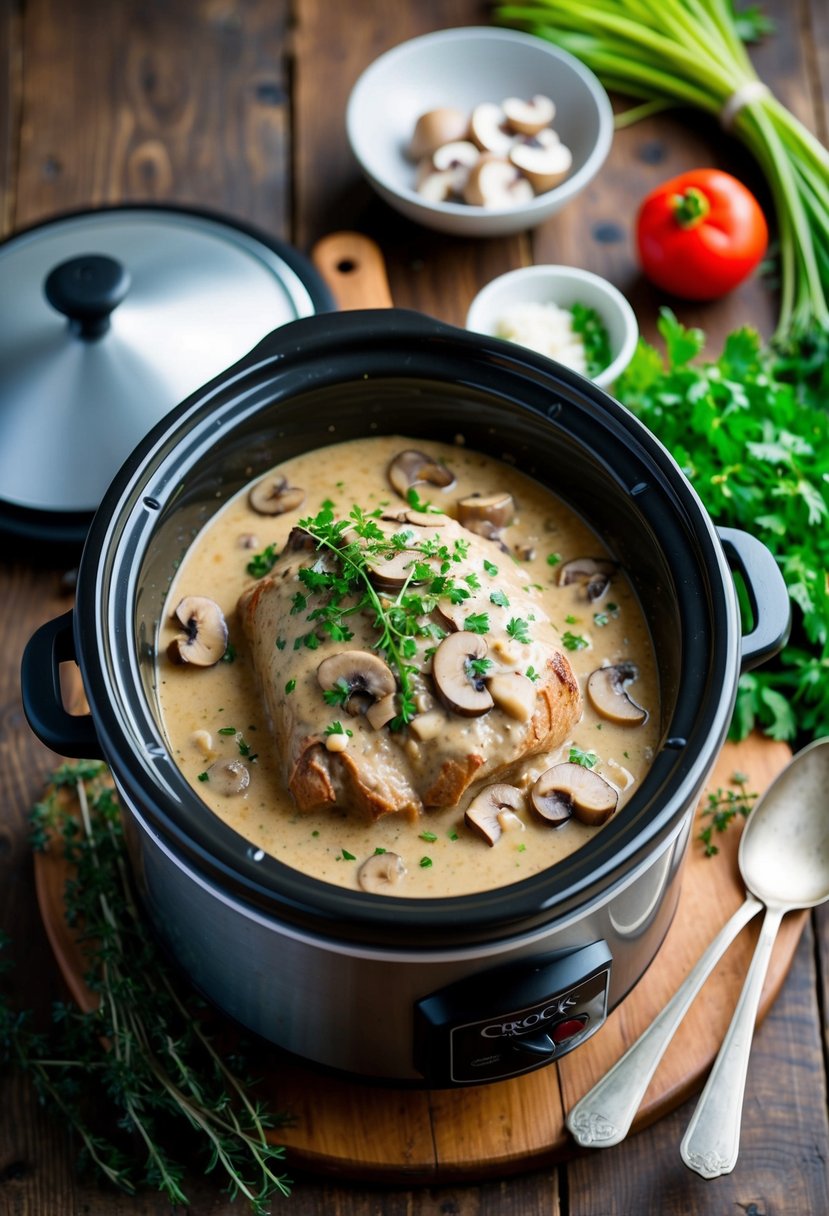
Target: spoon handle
712,1142
604,1115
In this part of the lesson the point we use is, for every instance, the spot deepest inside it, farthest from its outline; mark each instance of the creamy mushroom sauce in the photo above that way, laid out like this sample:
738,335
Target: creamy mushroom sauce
215,712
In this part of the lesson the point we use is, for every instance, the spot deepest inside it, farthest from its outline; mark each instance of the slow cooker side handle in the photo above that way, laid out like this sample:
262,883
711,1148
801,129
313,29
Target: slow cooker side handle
767,593
65,733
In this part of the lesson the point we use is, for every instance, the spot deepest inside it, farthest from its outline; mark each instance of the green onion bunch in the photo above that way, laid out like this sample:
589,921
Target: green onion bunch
691,53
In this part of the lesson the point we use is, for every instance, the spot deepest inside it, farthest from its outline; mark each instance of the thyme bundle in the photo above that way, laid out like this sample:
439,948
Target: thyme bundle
147,1049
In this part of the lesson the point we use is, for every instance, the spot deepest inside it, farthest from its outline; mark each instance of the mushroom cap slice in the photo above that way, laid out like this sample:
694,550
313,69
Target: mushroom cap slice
593,573
382,711
494,808
488,129
456,684
411,467
435,128
459,153
273,496
356,671
205,638
543,159
438,185
228,777
607,693
529,117
572,789
381,873
498,510
514,693
496,183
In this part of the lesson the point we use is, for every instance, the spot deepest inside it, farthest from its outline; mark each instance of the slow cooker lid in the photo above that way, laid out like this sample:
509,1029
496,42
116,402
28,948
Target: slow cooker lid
110,318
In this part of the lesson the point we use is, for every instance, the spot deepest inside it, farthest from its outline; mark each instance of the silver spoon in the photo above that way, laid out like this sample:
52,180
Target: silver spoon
784,862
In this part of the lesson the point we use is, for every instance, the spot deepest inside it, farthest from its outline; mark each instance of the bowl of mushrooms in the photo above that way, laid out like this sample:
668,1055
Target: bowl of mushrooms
478,132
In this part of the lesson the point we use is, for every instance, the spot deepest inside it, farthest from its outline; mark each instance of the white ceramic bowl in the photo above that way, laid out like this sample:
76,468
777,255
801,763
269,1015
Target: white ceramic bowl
564,286
463,67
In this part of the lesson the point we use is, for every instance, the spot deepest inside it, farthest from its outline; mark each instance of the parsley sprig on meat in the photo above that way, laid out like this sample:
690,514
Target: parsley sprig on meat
750,433
356,545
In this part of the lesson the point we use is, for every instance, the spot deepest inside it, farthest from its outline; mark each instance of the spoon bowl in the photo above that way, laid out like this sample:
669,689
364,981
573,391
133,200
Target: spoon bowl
784,849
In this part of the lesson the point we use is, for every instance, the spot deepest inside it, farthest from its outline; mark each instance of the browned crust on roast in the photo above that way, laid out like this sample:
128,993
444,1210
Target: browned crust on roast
370,801
558,707
310,782
454,777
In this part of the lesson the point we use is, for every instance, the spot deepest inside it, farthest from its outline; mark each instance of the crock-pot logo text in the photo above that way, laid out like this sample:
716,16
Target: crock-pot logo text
502,1030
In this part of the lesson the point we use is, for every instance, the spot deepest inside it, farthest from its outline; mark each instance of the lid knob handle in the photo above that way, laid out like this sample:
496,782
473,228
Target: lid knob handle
86,289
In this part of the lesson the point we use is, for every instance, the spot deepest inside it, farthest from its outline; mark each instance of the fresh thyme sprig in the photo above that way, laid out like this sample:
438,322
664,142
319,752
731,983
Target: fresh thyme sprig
721,806
147,1047
360,547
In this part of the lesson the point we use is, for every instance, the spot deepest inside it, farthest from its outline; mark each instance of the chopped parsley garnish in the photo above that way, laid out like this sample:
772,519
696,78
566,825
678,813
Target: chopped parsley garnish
418,504
571,620
280,643
532,674
585,759
337,728
203,777
517,630
339,694
498,599
574,641
491,569
262,563
593,332
348,856
478,667
429,837
229,654
290,686
425,863
478,622
553,559
227,730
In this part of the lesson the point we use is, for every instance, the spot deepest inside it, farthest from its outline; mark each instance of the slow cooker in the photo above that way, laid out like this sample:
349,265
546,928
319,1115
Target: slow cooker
447,991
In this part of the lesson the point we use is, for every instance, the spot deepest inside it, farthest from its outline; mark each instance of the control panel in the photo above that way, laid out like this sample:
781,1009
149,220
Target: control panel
509,1020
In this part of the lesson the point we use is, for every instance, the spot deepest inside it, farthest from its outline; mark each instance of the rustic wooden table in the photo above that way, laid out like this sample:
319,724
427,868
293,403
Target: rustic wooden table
238,105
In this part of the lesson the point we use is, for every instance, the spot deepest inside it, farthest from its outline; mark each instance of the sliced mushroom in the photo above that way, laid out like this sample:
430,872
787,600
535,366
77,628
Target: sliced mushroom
543,159
273,496
529,117
459,154
299,541
411,467
488,129
493,809
428,725
438,185
513,693
494,511
607,693
572,789
381,712
205,638
593,573
356,672
525,552
381,873
456,683
496,183
228,777
435,128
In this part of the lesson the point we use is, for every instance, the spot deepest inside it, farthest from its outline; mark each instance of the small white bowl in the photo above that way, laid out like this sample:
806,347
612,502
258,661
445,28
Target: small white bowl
461,68
563,286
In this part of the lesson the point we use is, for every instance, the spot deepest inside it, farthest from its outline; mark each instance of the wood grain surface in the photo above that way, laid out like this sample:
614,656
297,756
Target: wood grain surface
237,105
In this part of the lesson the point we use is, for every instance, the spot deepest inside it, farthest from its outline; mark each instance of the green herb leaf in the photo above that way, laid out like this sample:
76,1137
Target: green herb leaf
499,599
585,759
573,641
477,623
517,628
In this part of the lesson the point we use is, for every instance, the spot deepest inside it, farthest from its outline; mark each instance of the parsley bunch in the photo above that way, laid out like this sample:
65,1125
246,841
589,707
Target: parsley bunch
145,1061
749,432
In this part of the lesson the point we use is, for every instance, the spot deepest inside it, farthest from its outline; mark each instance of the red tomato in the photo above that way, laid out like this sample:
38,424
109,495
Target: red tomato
700,234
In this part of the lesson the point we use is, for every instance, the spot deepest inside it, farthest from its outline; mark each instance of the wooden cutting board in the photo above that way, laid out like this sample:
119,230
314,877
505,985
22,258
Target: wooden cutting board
389,1134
